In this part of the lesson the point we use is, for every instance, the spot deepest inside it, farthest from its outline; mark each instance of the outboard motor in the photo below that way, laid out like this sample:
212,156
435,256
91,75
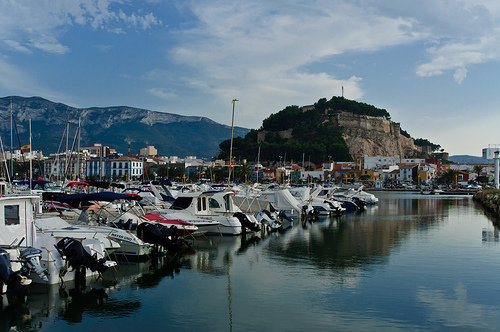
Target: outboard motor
272,222
283,215
245,222
151,233
15,283
176,241
158,234
78,257
309,211
30,258
361,203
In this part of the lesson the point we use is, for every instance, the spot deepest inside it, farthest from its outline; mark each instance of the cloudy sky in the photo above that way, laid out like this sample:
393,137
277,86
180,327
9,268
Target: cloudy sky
434,65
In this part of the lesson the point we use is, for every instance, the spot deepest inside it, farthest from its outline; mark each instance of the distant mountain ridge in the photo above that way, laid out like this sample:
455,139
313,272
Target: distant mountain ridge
466,159
170,134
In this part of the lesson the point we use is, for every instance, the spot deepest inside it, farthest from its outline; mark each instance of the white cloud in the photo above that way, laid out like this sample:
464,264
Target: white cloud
17,46
260,49
162,93
457,56
263,51
103,48
39,24
48,44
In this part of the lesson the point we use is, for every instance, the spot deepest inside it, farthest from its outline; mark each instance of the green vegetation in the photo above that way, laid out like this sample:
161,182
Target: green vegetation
311,133
425,142
293,134
448,177
404,133
340,104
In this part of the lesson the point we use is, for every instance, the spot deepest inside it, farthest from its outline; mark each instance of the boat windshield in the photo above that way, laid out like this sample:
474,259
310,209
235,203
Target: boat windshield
181,203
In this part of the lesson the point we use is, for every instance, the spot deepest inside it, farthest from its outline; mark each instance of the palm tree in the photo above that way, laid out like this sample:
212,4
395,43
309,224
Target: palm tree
450,176
244,171
478,169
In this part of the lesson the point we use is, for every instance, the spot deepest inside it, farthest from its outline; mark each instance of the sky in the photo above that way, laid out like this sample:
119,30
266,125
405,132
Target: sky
434,65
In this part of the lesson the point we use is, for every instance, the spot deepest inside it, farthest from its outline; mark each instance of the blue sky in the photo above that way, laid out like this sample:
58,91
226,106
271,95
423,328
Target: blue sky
434,65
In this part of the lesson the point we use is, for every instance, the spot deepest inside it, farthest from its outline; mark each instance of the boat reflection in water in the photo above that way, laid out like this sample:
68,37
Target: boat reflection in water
71,303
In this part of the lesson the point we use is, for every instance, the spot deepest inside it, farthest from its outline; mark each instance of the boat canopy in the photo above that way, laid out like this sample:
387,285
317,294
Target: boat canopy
34,183
99,184
78,200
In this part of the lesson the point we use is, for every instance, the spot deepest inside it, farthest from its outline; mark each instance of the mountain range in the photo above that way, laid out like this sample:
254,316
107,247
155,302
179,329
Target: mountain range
170,134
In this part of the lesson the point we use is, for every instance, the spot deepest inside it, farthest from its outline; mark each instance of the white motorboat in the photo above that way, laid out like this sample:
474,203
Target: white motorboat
321,205
218,206
60,260
117,242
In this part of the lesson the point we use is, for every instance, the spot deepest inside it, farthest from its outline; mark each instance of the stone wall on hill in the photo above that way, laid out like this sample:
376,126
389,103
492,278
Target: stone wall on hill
374,136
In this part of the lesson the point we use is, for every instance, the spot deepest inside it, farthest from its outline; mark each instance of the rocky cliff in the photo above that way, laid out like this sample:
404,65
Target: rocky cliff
374,136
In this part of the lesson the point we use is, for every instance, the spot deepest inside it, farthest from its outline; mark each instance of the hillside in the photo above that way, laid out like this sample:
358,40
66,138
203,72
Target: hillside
338,129
169,133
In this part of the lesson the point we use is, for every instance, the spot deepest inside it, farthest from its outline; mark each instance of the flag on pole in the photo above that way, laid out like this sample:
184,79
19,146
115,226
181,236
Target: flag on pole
25,147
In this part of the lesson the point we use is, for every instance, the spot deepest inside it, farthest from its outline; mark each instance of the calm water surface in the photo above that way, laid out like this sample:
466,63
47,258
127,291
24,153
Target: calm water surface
411,263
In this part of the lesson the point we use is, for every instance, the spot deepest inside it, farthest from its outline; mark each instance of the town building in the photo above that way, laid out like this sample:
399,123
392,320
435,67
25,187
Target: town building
148,151
378,162
61,165
124,167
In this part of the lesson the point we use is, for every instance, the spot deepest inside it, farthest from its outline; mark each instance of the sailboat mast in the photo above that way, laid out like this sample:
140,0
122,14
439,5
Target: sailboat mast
31,160
67,156
231,148
78,154
5,161
11,143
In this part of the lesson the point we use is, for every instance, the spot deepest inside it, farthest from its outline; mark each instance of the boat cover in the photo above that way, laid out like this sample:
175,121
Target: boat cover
78,200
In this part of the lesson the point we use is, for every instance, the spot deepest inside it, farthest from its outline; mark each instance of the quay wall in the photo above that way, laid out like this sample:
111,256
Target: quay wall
489,199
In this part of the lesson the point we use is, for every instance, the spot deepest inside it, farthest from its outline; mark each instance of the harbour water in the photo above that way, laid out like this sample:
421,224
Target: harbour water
412,262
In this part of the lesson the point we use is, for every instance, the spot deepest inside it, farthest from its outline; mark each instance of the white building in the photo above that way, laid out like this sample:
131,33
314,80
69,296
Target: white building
126,167
407,172
413,161
378,162
314,174
122,167
489,152
59,165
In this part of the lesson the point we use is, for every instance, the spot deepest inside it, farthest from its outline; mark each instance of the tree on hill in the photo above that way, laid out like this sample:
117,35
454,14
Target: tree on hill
425,142
341,104
290,117
313,134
